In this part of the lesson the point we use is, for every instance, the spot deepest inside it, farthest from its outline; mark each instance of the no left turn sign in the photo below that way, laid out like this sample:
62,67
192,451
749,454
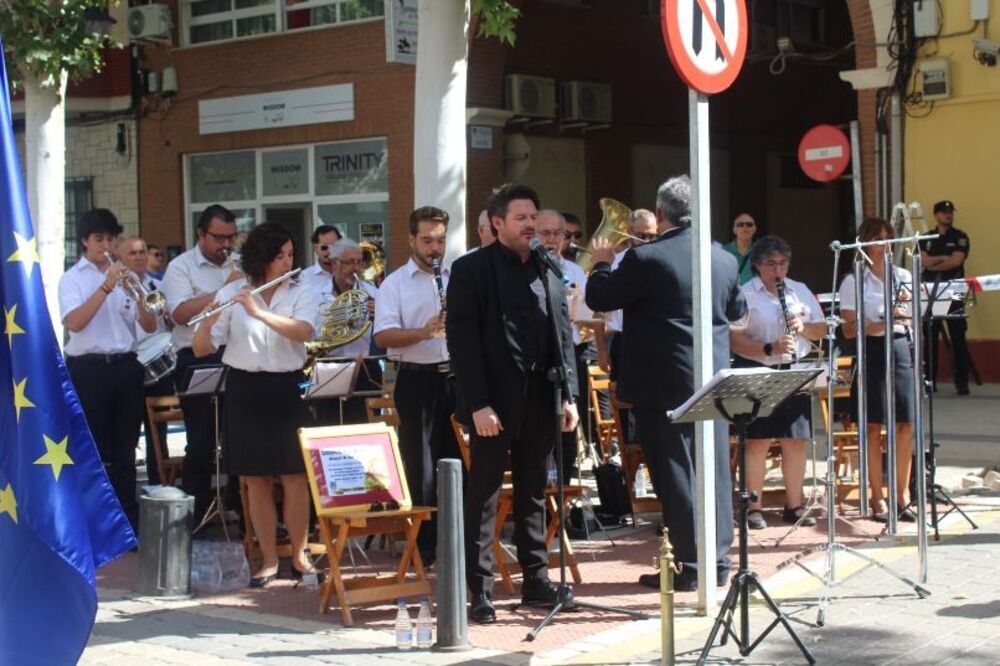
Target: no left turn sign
706,40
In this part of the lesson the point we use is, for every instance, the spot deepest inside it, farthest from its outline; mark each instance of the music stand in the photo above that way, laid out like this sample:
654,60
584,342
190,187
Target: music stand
210,380
740,396
333,379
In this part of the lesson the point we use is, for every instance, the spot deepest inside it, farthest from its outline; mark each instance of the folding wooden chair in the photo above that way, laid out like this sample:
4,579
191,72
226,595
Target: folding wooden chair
164,409
632,457
607,427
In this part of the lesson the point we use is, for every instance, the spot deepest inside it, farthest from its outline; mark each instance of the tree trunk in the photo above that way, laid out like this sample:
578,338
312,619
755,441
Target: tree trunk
45,159
439,152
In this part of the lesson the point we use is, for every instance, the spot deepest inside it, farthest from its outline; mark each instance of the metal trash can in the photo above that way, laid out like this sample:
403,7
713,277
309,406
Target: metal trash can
166,518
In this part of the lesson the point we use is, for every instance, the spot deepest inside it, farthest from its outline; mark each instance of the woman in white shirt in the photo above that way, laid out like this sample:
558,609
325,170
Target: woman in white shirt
879,229
265,336
775,335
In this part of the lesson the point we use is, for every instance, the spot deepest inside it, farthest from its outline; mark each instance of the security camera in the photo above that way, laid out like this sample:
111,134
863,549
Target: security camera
986,51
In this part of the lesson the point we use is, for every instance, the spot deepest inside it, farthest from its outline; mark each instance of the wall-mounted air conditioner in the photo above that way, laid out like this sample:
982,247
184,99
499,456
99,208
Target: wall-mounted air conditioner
149,23
533,96
584,101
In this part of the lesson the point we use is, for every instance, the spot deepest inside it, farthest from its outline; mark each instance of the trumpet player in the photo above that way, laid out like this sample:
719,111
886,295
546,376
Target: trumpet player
347,263
409,322
189,285
101,319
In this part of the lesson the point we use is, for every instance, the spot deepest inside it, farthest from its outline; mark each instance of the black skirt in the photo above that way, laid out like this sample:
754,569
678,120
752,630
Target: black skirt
875,380
792,419
263,412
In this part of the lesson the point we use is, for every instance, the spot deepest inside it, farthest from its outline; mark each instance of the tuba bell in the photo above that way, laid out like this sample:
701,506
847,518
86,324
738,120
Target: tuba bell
614,226
372,261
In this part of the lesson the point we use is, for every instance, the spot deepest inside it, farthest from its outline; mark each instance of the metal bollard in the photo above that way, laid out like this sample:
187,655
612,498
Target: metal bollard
452,622
665,564
166,518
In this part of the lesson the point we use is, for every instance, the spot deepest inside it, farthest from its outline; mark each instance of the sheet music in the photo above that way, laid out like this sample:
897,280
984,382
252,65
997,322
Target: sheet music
332,379
205,380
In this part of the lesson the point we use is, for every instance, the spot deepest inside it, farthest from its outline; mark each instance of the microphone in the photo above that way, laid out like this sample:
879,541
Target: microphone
539,251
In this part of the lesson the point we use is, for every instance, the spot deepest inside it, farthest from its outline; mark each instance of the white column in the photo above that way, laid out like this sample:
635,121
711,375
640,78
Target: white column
45,161
439,150
701,280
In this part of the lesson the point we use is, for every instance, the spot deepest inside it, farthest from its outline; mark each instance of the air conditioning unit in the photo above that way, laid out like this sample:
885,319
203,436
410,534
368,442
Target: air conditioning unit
583,101
149,23
533,96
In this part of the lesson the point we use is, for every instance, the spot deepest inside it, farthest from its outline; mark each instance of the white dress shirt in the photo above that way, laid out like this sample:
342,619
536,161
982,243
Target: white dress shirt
360,347
613,322
152,284
766,323
188,276
317,279
575,292
112,329
408,298
252,345
874,297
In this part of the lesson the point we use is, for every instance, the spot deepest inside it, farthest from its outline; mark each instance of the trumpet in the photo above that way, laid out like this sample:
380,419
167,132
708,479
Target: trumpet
197,319
151,301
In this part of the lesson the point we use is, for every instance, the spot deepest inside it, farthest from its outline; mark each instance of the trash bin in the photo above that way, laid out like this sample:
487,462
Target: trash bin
166,518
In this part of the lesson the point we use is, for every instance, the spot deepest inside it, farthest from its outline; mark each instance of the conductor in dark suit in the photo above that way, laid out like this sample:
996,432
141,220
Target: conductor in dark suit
653,287
503,344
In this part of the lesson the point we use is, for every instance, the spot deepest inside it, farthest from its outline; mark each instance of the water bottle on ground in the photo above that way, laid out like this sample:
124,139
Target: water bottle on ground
310,581
425,625
404,627
641,475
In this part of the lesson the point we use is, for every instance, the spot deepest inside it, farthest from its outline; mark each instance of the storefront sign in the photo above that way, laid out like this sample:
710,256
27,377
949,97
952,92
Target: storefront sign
352,167
401,31
285,172
284,108
481,137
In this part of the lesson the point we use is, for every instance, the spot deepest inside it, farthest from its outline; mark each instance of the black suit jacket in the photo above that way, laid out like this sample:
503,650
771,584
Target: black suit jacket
652,285
485,342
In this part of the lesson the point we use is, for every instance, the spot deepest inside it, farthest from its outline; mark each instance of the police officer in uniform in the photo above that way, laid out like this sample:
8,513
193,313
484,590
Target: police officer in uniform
944,259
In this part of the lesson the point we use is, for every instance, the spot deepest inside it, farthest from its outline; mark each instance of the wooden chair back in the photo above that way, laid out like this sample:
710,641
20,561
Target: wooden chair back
382,409
164,409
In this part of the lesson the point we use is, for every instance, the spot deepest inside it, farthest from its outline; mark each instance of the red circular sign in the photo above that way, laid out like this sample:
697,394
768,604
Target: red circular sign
824,153
706,40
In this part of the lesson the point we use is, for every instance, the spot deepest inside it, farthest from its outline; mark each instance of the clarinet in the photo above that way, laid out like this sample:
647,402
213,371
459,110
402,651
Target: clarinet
439,282
784,314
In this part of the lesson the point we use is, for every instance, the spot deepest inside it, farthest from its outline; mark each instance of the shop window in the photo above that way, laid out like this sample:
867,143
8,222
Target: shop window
223,177
79,199
217,20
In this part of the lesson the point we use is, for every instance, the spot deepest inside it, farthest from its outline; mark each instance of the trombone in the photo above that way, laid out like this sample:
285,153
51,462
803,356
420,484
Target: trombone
197,319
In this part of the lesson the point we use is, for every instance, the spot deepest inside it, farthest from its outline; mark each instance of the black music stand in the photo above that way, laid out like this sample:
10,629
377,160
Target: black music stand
333,379
210,380
938,302
740,396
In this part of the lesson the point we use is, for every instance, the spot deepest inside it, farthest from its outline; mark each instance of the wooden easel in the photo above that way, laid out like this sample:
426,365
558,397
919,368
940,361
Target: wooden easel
337,530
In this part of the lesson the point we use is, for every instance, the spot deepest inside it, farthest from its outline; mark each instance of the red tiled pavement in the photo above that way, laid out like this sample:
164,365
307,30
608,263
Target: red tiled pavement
609,578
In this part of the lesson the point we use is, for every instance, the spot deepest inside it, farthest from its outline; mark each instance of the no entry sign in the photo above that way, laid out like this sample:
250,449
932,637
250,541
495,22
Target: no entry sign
706,40
824,153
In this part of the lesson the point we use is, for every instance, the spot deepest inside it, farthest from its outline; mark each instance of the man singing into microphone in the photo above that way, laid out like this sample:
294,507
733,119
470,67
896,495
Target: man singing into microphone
501,336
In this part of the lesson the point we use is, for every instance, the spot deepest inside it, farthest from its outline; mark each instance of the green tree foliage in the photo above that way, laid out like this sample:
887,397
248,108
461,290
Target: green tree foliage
496,19
43,38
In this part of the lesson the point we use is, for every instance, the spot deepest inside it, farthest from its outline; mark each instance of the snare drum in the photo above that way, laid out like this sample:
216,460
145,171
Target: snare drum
158,358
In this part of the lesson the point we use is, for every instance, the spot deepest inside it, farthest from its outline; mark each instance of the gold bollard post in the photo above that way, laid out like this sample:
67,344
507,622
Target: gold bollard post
665,564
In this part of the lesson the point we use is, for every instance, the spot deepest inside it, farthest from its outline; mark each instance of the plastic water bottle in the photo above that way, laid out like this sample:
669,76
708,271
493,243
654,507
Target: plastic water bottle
641,475
552,476
310,581
425,626
404,627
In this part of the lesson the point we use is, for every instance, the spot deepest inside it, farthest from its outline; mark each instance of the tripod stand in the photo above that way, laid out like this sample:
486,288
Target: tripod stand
559,376
210,380
738,396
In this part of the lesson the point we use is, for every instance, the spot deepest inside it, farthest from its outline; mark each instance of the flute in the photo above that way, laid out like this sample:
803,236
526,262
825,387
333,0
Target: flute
197,319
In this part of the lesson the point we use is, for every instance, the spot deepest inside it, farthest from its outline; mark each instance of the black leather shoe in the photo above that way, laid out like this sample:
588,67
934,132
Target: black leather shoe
682,582
907,516
541,593
263,581
481,610
755,520
791,516
722,577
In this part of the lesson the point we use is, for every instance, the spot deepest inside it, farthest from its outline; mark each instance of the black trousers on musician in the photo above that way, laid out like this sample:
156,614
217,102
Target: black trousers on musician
529,449
164,387
110,391
425,400
670,455
199,426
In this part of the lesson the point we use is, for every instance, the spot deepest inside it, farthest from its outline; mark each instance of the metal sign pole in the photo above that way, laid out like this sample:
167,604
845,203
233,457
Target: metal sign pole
701,274
889,410
918,415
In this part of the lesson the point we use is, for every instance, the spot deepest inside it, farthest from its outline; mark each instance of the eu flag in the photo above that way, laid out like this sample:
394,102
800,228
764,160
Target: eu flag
59,517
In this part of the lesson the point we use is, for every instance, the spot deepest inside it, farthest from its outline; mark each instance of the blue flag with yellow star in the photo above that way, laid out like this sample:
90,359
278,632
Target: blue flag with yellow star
59,517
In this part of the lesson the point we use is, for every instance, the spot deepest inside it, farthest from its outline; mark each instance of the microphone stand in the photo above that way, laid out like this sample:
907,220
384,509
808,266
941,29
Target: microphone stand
558,374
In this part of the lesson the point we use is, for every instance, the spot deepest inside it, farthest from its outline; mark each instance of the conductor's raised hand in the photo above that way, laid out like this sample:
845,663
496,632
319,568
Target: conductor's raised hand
570,416
486,422
601,251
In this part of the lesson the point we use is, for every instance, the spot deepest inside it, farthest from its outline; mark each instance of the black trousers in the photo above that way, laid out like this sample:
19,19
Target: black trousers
425,400
625,416
110,391
165,386
959,348
670,455
199,425
529,448
584,354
